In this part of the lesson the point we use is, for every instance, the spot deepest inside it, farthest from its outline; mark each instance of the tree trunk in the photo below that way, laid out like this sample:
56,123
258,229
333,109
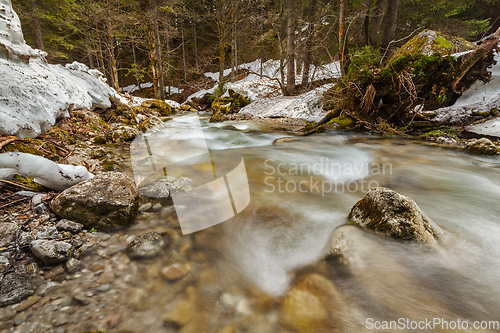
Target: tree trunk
157,49
36,25
136,69
343,35
290,50
391,23
184,55
261,35
308,52
376,22
222,32
360,25
195,48
91,60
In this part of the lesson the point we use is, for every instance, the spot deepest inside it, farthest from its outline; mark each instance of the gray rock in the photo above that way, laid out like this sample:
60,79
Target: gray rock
48,288
72,265
81,299
7,233
394,215
104,288
51,252
145,246
106,201
482,146
67,225
45,232
155,190
17,286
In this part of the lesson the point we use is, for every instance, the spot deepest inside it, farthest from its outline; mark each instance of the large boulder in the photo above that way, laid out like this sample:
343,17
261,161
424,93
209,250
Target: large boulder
429,42
395,215
106,201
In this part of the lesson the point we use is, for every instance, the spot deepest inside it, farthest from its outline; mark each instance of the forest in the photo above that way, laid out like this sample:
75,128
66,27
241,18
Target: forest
172,43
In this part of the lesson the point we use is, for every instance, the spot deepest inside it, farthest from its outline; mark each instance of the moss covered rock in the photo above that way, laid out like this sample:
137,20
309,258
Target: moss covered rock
163,108
429,42
395,215
482,146
150,123
106,201
125,133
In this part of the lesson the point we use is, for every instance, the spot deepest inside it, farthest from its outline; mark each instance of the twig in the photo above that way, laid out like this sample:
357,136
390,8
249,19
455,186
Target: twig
6,142
13,202
16,184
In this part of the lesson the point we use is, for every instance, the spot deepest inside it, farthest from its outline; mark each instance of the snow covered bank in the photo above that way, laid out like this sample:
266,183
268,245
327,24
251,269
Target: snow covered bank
480,98
34,94
130,89
307,106
255,87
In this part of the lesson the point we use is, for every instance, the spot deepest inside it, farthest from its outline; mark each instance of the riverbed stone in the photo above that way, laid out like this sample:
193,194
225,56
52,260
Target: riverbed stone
145,246
51,252
394,215
17,286
8,233
67,225
106,201
482,146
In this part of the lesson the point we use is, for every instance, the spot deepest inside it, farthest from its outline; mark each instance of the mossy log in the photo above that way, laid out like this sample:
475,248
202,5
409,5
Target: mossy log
389,95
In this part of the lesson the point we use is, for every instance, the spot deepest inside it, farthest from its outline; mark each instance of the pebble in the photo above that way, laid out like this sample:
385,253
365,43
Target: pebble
67,225
27,303
72,265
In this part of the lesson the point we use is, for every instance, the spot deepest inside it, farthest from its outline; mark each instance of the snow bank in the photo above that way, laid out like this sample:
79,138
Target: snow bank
256,87
307,106
50,174
130,89
34,94
480,97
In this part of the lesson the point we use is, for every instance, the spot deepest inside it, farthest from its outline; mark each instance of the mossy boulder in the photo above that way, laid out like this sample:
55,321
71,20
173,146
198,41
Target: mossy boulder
228,105
104,202
429,42
150,123
163,108
482,146
125,133
394,215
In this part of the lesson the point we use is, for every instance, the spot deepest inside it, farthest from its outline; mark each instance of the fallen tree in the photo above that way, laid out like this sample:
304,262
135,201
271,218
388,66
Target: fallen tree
389,98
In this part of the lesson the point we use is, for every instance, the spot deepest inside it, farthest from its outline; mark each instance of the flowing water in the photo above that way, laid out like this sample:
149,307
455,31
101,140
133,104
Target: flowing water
261,271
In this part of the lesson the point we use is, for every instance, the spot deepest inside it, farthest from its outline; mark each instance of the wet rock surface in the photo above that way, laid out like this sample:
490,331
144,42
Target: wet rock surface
395,215
106,201
51,252
17,286
146,245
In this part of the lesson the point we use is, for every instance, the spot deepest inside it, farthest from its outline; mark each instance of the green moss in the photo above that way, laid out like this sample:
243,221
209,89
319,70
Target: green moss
443,131
21,148
343,122
30,182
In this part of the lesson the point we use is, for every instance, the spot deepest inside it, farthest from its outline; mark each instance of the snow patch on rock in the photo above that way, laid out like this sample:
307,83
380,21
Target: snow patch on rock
481,97
50,174
307,106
